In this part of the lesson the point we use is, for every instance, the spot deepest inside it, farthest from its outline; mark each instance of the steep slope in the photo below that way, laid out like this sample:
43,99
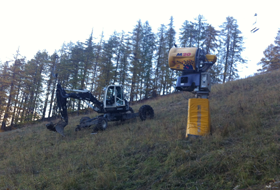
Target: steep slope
243,150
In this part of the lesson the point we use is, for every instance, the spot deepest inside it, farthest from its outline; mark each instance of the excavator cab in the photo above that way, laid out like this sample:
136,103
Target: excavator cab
114,97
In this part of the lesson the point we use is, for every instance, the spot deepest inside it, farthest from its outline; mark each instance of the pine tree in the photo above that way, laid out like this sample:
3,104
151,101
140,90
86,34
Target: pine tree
136,40
236,49
211,45
187,34
53,81
277,47
118,53
62,64
124,64
50,74
271,59
88,61
148,48
34,71
16,107
169,76
106,67
232,46
4,85
13,78
96,65
20,107
216,72
211,39
77,75
269,62
200,30
160,60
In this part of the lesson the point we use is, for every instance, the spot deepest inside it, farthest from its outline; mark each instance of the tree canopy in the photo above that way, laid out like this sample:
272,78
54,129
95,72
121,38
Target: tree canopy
271,59
137,59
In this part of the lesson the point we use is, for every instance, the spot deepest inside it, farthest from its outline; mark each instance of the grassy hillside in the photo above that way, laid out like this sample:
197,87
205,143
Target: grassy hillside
243,150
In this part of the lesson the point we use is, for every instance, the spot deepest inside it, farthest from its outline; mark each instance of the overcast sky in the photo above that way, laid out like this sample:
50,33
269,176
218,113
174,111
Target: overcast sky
38,25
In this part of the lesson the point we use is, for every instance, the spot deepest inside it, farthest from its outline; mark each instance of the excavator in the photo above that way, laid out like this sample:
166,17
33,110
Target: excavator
114,107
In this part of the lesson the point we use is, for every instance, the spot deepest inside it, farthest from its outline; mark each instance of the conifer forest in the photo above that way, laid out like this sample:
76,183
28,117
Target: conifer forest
136,59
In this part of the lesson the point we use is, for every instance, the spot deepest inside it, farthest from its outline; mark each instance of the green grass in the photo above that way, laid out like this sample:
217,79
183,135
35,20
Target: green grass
154,154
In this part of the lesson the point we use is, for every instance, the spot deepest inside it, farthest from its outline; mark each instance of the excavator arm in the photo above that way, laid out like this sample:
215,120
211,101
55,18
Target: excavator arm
61,97
84,95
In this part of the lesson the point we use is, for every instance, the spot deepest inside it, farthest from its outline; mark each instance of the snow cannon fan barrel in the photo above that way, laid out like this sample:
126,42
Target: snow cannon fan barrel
190,60
194,63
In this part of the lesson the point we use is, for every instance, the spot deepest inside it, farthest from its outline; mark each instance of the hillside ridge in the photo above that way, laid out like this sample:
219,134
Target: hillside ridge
242,152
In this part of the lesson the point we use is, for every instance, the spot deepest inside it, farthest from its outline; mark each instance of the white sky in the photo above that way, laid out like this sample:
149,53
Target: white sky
38,25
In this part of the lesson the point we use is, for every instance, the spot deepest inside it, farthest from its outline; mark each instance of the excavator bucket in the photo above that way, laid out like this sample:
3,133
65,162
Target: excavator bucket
61,104
59,127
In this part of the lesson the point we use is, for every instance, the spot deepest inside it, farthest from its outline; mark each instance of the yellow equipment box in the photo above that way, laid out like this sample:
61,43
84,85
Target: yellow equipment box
198,117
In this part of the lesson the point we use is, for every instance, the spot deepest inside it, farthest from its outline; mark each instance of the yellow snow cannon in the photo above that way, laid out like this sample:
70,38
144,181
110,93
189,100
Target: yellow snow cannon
190,59
194,63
